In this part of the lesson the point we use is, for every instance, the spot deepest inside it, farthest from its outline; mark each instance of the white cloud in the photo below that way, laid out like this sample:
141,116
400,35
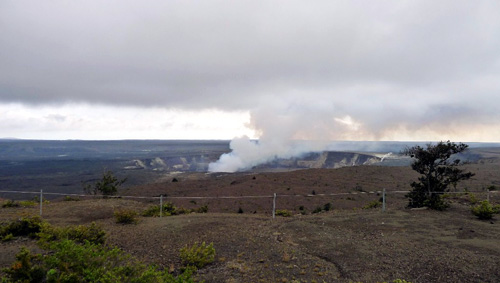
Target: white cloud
85,121
405,69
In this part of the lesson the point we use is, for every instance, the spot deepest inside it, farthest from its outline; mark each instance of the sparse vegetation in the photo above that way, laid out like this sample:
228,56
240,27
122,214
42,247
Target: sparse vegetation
283,212
92,233
23,227
302,210
154,211
317,209
28,203
169,209
437,173
472,198
35,228
69,198
325,207
202,209
198,255
373,204
485,210
107,186
77,254
492,188
10,203
88,262
125,216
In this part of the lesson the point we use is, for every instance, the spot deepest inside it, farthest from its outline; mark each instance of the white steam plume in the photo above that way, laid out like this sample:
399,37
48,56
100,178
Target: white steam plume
285,130
247,153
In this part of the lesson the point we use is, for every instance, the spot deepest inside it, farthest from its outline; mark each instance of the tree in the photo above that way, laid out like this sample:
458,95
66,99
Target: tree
107,186
438,172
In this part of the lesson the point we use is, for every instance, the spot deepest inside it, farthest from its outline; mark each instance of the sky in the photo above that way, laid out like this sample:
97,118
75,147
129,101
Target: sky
269,70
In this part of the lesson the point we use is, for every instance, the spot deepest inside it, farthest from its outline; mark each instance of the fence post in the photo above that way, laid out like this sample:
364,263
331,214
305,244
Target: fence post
488,195
161,206
41,201
274,206
383,200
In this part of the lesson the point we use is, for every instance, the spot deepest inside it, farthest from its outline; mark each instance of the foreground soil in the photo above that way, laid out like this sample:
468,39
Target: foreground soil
335,246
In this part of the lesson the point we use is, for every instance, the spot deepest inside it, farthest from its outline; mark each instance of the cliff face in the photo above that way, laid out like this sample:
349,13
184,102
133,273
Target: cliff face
329,159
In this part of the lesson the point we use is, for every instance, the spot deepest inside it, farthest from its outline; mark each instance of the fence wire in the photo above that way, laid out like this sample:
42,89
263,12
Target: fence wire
384,193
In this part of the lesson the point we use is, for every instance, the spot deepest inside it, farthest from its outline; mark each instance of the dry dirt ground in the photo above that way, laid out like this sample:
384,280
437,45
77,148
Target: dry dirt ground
336,246
346,244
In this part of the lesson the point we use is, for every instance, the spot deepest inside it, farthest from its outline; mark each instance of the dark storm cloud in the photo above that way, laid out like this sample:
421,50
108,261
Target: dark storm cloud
383,63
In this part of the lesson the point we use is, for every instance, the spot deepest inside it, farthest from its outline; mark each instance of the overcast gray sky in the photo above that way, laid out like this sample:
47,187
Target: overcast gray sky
327,70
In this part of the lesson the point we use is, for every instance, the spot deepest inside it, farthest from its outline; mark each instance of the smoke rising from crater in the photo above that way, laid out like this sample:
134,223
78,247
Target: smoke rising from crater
285,130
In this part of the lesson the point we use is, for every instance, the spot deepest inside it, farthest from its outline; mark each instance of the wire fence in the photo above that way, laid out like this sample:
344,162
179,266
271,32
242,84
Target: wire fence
383,194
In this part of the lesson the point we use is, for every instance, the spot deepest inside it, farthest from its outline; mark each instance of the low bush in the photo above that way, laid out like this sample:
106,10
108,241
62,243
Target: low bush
372,204
492,188
283,212
126,216
198,255
35,228
28,203
472,198
327,207
202,209
91,233
68,261
318,209
154,210
10,203
68,198
485,210
23,227
302,210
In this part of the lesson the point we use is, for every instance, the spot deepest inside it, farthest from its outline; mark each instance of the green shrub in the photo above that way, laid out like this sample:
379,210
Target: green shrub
68,198
492,188
283,212
202,209
68,261
24,227
27,203
318,209
10,203
107,186
169,209
472,198
154,210
302,210
198,255
125,216
81,233
327,207
182,210
26,268
7,237
485,210
372,204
